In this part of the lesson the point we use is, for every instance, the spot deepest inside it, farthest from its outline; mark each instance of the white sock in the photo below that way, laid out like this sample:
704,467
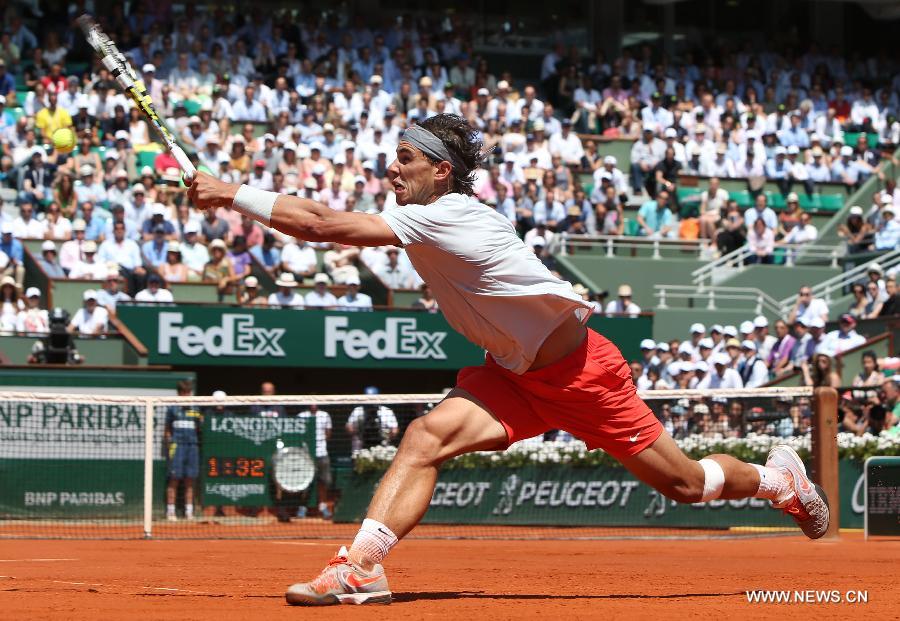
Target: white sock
373,541
774,484
189,510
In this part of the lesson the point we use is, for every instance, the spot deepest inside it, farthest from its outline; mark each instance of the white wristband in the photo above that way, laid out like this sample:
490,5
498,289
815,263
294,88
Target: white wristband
257,204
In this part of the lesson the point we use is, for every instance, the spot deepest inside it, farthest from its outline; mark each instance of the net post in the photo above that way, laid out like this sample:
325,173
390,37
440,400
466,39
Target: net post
825,452
148,468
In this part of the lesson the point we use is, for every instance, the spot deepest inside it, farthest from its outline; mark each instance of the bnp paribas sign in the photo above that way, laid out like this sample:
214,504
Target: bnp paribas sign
209,335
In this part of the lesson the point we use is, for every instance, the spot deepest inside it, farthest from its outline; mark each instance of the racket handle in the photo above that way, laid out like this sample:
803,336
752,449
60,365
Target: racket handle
183,162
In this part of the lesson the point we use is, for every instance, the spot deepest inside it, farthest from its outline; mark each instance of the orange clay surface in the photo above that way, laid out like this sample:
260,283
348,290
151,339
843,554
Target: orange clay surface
441,579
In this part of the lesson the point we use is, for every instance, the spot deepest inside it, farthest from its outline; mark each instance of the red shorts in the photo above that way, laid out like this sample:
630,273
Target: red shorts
589,393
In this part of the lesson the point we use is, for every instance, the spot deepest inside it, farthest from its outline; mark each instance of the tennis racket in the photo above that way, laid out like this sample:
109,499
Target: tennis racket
293,469
133,86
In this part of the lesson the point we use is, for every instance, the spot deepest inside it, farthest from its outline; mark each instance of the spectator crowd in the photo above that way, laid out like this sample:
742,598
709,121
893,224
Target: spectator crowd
315,106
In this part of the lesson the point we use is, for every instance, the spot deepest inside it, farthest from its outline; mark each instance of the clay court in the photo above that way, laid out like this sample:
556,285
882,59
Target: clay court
449,578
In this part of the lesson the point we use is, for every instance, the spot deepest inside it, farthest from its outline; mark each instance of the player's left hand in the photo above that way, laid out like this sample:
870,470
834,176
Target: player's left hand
207,192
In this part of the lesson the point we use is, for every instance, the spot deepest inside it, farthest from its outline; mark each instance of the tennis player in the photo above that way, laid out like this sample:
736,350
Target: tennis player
544,368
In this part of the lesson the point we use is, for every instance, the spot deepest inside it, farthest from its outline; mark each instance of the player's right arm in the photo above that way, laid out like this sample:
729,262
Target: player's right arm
300,217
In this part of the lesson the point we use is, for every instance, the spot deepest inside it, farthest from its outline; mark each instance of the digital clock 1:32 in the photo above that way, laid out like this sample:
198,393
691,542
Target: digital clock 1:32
251,467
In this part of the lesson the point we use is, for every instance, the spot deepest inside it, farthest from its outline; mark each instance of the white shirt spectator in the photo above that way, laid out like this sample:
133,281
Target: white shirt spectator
87,323
396,277
836,342
386,418
314,299
195,255
261,182
759,374
92,271
161,295
299,260
323,426
33,229
816,308
127,254
567,147
729,379
615,307
359,302
291,300
61,229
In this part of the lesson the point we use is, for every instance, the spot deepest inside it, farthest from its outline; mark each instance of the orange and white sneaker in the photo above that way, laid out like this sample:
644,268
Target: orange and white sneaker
807,503
342,582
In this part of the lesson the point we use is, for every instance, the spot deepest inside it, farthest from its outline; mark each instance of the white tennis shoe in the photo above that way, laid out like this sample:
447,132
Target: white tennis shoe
807,502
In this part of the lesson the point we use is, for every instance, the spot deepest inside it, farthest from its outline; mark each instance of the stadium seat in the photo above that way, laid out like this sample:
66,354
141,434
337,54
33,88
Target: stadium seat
688,196
831,202
776,200
632,228
146,158
743,198
21,96
810,203
191,106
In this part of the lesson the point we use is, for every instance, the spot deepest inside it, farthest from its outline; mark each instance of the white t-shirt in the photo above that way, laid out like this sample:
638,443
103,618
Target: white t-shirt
314,299
162,295
361,301
294,299
490,286
86,323
299,260
323,425
729,379
816,308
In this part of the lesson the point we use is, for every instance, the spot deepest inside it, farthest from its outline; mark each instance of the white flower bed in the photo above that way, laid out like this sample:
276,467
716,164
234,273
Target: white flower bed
753,448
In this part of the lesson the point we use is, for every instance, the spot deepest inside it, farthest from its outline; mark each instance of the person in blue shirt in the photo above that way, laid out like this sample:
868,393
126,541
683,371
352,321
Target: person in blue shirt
157,219
888,235
267,254
94,227
655,217
182,439
7,81
778,170
16,253
761,210
156,249
794,136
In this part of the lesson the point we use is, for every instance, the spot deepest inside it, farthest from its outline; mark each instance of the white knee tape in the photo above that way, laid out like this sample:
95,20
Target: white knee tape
714,479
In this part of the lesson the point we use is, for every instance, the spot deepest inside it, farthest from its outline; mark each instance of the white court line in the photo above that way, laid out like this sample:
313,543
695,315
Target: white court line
34,560
303,543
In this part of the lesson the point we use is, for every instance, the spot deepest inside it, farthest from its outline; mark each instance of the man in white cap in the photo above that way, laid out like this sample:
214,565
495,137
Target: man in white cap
887,237
764,341
844,169
778,169
320,296
616,177
496,292
89,189
624,304
33,319
91,319
698,331
110,295
753,371
353,300
49,261
194,254
648,351
89,267
721,375
285,296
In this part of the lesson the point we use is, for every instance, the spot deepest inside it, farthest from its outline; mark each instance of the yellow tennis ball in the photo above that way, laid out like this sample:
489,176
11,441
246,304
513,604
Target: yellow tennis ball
64,140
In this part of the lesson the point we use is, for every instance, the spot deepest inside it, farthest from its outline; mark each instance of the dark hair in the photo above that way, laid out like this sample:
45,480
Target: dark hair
460,138
871,354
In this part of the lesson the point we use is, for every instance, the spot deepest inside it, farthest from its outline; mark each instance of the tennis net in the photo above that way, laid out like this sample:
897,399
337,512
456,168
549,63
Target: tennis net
73,466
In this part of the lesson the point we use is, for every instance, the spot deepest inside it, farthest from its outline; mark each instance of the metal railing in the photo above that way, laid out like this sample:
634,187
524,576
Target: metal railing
827,288
735,261
711,295
611,243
